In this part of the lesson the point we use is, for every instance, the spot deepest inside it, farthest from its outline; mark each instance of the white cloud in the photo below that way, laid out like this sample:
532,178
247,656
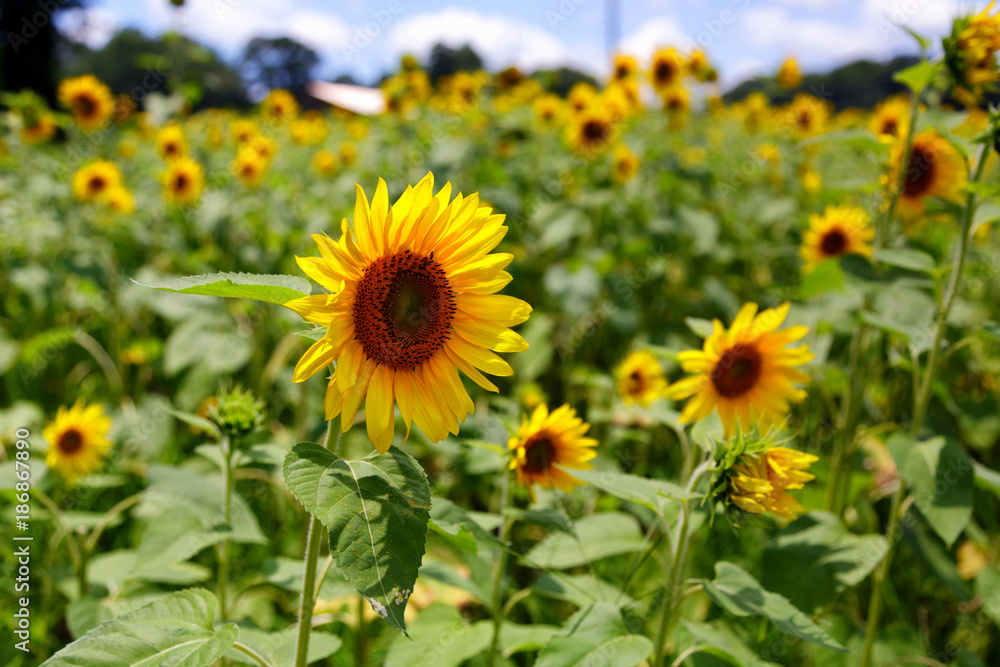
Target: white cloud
498,39
93,26
654,34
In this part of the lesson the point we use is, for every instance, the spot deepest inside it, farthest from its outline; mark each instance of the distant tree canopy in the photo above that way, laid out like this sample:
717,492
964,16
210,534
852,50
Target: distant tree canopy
278,63
28,46
445,61
860,84
559,81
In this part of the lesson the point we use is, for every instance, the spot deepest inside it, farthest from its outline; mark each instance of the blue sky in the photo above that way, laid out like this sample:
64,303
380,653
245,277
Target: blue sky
364,38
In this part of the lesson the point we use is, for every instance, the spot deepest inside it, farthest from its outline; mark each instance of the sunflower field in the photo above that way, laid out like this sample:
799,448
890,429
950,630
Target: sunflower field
498,377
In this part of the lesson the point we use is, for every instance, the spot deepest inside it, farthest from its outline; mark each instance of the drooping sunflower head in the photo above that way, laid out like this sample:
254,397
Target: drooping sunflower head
89,101
789,76
841,230
325,163
746,373
77,438
547,443
280,106
626,164
412,300
666,70
93,181
170,142
970,55
625,67
935,168
183,181
640,378
891,119
249,166
759,480
591,131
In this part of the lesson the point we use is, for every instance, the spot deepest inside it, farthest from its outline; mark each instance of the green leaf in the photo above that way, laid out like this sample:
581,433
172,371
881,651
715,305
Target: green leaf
824,277
315,333
701,328
173,538
276,289
987,478
651,493
940,475
595,635
905,258
440,637
917,77
990,330
580,589
452,520
859,139
597,536
175,630
376,509
985,215
988,591
516,638
278,648
721,642
739,593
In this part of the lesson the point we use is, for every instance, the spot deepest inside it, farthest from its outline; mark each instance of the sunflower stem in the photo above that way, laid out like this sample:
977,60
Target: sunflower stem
227,503
920,409
313,539
499,570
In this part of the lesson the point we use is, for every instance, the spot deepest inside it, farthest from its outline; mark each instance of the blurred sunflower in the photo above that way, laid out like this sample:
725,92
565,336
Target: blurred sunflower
759,482
263,145
591,131
745,373
38,127
789,76
812,181
93,181
280,106
170,142
667,70
700,68
580,96
841,230
249,166
88,100
640,378
127,148
243,130
546,444
970,55
807,115
891,119
935,169
548,110
325,163
348,153
120,200
413,301
626,164
77,438
625,67
183,181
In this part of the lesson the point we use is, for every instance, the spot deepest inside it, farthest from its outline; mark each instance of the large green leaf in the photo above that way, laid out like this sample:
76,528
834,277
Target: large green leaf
377,510
988,590
278,648
720,642
906,258
275,289
175,630
597,536
441,638
652,493
173,538
580,589
739,593
940,475
595,635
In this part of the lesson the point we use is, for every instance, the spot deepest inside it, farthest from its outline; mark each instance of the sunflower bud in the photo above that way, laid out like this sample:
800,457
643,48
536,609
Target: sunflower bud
237,411
970,55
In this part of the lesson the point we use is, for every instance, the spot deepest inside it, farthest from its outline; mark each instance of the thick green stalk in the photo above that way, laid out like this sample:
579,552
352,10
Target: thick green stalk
313,539
224,550
919,411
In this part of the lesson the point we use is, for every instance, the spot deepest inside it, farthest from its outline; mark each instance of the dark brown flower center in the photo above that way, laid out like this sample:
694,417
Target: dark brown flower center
634,383
85,105
181,182
834,242
664,72
890,126
595,131
96,184
403,310
737,371
920,171
539,454
70,441
804,119
171,148
623,72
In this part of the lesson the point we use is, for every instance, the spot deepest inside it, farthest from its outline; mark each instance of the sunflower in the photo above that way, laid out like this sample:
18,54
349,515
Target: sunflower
970,55
934,169
625,67
640,378
92,182
264,146
580,96
183,181
249,166
626,164
759,482
745,373
807,115
676,100
548,110
667,70
280,106
841,230
325,163
591,131
120,200
170,142
699,67
413,301
891,119
78,442
812,181
243,130
38,128
88,100
546,444
789,75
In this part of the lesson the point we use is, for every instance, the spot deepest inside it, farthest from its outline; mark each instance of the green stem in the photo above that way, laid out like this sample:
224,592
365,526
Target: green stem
307,600
106,520
74,549
499,569
257,657
224,550
919,412
361,636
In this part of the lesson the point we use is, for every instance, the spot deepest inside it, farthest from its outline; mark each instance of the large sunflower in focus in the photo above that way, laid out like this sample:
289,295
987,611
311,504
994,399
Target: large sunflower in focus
413,300
547,443
934,169
88,100
841,230
78,442
746,373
